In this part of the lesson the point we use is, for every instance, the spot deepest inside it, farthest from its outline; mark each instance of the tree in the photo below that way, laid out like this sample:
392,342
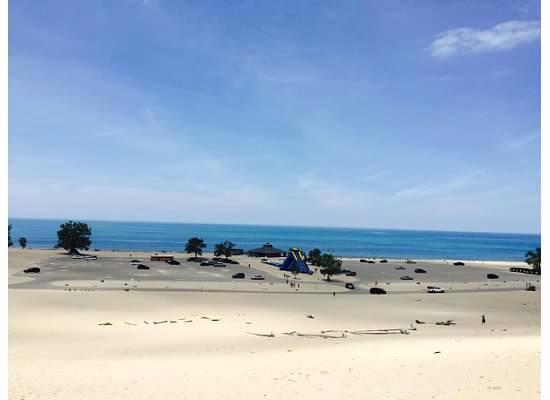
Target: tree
195,245
23,242
330,265
314,256
10,243
224,248
533,258
73,236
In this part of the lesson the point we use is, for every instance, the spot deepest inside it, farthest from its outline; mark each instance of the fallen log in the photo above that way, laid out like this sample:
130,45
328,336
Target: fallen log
270,335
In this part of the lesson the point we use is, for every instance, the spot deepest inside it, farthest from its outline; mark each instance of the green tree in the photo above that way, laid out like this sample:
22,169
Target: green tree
195,245
224,248
533,258
73,236
330,265
10,243
314,256
23,242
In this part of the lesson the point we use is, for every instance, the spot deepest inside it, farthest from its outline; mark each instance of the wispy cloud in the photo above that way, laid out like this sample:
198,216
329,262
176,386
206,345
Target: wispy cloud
466,40
454,185
519,143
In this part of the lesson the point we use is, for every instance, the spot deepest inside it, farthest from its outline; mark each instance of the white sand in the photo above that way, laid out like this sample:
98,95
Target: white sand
58,350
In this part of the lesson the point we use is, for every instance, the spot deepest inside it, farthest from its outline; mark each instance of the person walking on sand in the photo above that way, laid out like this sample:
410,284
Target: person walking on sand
333,294
483,319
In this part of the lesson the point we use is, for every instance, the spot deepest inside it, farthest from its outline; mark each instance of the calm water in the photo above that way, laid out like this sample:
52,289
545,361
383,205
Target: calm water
340,241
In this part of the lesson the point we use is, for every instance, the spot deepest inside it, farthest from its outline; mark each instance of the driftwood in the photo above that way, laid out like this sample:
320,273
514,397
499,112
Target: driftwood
447,323
160,322
270,335
129,323
105,324
388,331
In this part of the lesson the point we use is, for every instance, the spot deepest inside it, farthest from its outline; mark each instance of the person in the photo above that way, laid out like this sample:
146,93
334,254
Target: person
248,266
333,294
483,319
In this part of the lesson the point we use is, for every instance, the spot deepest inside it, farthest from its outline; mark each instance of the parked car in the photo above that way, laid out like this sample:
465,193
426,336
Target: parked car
363,260
370,262
206,263
420,271
173,262
349,285
77,257
410,262
351,273
257,278
265,259
458,263
434,289
383,261
32,270
135,261
218,264
91,258
406,278
376,290
400,268
531,288
238,275
142,266
492,276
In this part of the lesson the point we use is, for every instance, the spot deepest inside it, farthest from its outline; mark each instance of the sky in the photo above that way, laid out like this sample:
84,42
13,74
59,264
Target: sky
395,114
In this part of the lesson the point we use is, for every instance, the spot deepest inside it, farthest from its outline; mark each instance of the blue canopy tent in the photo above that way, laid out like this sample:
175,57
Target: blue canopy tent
295,262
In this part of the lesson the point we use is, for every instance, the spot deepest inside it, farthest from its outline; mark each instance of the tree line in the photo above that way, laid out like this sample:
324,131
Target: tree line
74,236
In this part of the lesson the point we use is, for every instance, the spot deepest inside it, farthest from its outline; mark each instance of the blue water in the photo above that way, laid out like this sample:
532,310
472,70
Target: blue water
351,242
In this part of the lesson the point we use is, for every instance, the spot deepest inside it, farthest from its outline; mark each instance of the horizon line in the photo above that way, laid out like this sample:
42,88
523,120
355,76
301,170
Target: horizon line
278,225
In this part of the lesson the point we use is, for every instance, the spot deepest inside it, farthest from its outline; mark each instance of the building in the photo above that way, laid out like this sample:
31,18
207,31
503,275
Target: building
267,250
162,257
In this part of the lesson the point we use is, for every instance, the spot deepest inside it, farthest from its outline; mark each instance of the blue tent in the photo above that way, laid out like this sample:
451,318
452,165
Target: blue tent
295,261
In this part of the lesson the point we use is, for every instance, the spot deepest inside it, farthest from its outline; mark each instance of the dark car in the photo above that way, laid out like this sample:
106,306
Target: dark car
406,278
531,288
32,270
420,271
370,262
173,262
238,275
135,261
232,262
458,263
492,276
349,285
351,273
383,261
142,266
377,290
363,260
206,263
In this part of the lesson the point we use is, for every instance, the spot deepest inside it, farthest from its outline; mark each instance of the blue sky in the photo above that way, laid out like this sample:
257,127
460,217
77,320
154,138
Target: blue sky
397,114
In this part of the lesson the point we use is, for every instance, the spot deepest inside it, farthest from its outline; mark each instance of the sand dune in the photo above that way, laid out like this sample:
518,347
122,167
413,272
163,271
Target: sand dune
201,345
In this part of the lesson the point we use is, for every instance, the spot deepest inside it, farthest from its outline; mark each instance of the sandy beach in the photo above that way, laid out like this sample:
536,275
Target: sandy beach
188,331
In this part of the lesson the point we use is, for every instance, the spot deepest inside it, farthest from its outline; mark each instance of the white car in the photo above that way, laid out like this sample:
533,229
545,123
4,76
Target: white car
257,278
434,289
77,257
91,258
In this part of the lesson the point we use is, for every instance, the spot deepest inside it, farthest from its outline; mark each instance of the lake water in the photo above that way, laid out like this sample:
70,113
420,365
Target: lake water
350,242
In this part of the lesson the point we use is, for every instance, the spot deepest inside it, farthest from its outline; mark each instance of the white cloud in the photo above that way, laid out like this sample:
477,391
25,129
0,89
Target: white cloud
518,143
506,35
